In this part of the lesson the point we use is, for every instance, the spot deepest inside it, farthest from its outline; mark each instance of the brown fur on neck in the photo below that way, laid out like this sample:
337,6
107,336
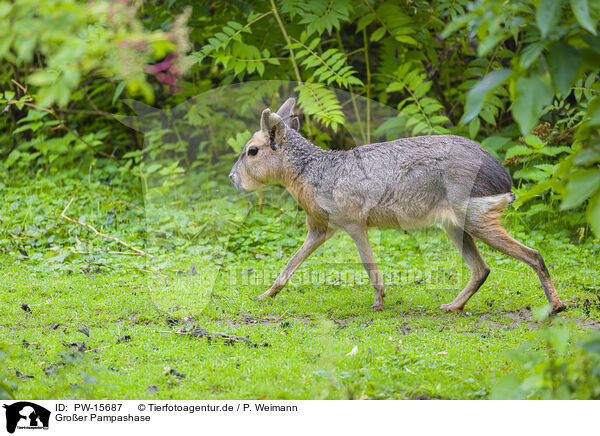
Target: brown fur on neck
304,193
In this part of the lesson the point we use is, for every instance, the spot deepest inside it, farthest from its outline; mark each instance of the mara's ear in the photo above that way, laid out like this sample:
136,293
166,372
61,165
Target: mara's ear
286,112
294,123
287,109
273,127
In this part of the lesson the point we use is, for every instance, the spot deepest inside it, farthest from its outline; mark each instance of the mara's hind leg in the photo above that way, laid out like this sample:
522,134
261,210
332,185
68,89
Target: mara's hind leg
479,269
361,239
496,237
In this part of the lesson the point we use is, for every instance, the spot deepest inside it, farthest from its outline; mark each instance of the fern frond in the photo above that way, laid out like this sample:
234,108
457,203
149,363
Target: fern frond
321,103
393,21
318,15
230,32
419,113
328,67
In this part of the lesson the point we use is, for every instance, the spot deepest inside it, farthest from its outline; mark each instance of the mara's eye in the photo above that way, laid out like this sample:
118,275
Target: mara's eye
252,151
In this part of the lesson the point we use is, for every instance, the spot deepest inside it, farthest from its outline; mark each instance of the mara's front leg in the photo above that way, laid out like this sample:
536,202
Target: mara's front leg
313,240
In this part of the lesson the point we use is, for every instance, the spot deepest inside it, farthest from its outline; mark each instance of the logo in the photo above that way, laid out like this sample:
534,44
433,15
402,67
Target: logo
26,415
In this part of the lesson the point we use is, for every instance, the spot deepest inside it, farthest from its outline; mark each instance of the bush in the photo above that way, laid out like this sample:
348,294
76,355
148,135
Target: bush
559,370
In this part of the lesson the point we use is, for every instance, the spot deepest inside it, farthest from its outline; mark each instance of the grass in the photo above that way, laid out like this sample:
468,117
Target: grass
323,340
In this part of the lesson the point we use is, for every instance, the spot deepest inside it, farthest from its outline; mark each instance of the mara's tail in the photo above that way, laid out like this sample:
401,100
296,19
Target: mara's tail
484,212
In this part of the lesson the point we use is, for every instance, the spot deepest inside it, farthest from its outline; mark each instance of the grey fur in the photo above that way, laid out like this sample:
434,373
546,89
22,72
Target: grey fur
406,183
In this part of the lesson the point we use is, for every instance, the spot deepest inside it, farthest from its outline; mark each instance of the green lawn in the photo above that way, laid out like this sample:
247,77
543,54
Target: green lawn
323,340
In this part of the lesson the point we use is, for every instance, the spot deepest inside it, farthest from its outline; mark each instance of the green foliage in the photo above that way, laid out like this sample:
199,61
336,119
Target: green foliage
65,39
319,16
6,388
559,61
319,101
558,370
419,114
329,67
534,158
481,93
519,77
532,95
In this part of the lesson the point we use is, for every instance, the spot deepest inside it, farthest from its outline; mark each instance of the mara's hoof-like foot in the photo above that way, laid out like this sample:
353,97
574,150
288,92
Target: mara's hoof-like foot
376,306
558,307
451,307
267,294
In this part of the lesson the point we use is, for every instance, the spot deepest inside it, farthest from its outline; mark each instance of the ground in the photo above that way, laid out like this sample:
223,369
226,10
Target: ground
316,339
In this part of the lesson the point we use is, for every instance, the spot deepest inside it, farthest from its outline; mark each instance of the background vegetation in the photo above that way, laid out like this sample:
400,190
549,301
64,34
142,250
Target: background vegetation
519,77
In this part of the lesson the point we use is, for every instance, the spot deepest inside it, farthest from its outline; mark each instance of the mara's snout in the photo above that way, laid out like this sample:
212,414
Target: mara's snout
235,180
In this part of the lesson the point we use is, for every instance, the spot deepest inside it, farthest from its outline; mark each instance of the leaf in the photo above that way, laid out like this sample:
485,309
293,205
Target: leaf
474,128
592,344
239,67
533,94
563,63
593,214
533,141
118,91
531,173
364,21
586,156
406,39
518,150
42,78
553,151
558,337
580,187
489,43
508,388
547,15
582,13
494,143
593,110
378,34
482,89
530,54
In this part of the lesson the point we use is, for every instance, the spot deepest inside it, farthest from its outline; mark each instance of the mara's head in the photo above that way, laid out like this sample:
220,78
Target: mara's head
261,161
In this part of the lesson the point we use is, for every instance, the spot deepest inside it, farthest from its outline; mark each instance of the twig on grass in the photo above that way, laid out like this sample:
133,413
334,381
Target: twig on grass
114,238
99,348
281,316
18,343
154,272
199,332
130,253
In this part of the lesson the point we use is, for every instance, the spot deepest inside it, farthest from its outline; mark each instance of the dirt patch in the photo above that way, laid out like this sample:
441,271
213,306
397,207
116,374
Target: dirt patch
520,317
525,317
590,323
198,332
343,322
587,305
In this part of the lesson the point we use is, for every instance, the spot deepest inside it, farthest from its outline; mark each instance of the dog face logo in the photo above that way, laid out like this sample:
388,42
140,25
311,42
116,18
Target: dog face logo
26,415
